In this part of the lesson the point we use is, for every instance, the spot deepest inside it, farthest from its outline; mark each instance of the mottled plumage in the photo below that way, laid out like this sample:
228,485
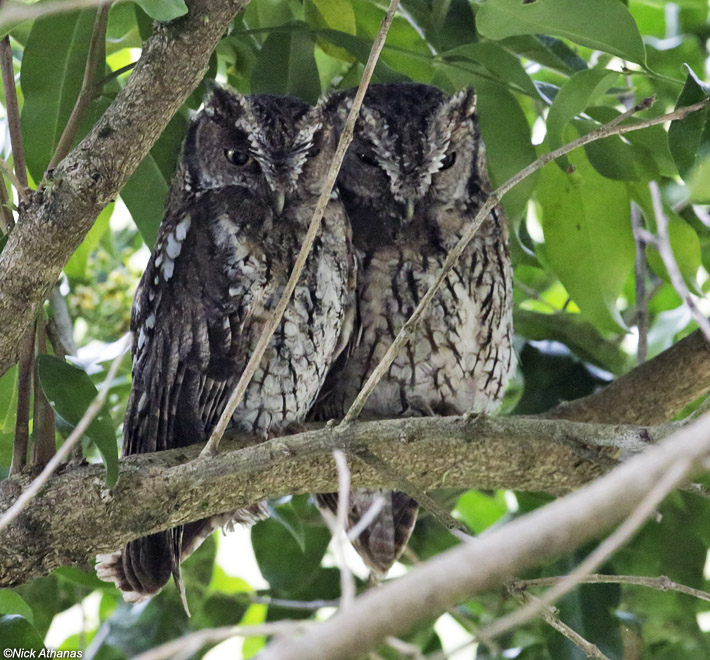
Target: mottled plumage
237,214
412,180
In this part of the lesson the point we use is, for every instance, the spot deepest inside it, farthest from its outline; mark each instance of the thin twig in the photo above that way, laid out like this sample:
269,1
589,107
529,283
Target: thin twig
663,245
60,325
13,117
405,648
188,645
115,74
661,583
43,429
7,171
310,605
89,89
372,512
670,480
640,278
7,221
445,655
24,389
589,649
347,582
613,127
94,408
328,183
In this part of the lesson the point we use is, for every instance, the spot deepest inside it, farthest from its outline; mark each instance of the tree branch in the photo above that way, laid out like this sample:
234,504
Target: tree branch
76,517
661,583
61,212
457,574
652,393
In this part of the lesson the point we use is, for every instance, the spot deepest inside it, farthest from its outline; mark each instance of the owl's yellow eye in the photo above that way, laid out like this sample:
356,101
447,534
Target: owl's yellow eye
237,157
448,161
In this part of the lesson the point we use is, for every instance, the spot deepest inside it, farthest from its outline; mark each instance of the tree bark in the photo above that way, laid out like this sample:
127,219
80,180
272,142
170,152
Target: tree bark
60,213
652,393
76,516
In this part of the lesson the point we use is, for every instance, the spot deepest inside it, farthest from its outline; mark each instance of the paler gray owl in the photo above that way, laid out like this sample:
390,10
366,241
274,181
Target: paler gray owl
238,210
412,180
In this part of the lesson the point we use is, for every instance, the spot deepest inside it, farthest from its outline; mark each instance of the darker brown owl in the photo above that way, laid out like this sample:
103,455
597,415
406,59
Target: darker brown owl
412,180
239,207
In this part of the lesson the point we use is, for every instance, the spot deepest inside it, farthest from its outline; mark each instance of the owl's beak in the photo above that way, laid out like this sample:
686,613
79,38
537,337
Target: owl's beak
278,199
410,208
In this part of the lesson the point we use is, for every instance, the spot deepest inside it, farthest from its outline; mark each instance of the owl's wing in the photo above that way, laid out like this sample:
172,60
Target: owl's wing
192,322
194,315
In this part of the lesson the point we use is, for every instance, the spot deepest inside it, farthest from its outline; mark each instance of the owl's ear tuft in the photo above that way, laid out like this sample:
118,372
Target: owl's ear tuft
463,102
224,102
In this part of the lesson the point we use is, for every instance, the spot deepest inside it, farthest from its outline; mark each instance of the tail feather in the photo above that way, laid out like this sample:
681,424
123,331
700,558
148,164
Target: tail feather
144,566
382,542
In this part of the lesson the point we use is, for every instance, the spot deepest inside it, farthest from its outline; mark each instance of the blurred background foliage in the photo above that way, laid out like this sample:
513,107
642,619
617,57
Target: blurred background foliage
546,71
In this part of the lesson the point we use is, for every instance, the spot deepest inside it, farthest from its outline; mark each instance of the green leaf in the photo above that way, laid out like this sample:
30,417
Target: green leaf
478,510
163,10
287,568
287,516
51,84
550,376
548,51
331,14
144,194
506,134
360,49
16,632
406,51
287,65
503,65
76,266
146,190
13,603
689,138
604,25
8,400
260,15
574,96
650,144
70,391
75,575
577,334
580,212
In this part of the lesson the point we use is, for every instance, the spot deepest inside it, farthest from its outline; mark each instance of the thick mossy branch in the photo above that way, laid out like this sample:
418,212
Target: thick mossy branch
60,213
75,516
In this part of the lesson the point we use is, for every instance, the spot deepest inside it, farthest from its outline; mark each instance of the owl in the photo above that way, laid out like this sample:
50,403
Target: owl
237,213
412,180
